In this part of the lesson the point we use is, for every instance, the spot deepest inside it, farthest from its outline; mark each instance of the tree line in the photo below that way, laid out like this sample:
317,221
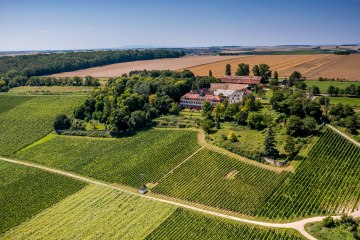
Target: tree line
20,68
262,70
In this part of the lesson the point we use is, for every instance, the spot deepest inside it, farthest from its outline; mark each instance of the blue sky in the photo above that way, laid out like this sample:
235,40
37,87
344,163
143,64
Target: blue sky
79,24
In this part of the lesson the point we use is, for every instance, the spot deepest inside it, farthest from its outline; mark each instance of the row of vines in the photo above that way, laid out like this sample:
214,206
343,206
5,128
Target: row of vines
220,181
184,224
327,182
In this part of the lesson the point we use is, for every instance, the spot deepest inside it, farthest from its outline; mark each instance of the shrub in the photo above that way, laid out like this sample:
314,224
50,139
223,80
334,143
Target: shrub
232,137
62,122
328,222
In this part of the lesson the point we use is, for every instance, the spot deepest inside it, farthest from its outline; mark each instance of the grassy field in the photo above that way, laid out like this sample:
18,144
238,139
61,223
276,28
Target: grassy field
25,192
324,85
345,100
311,66
327,182
152,152
51,90
321,233
95,213
29,120
217,180
184,224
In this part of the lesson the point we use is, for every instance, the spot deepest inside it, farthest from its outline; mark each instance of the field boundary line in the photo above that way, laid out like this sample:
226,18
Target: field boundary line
179,165
297,225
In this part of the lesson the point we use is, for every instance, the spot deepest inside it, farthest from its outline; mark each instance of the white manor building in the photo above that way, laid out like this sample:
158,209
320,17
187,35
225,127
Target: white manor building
233,96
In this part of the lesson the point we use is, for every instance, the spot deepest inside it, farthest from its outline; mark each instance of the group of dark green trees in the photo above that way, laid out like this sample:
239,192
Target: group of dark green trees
352,90
131,102
243,69
16,71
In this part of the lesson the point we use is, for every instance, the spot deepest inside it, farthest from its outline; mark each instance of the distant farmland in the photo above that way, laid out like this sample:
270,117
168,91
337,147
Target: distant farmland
312,66
117,69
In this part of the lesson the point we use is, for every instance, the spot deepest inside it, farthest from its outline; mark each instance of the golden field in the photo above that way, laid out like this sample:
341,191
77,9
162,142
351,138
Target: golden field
117,69
311,66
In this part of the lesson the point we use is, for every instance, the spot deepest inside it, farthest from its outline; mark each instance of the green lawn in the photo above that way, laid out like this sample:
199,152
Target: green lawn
345,100
152,152
220,181
96,213
321,233
324,85
184,224
31,119
25,192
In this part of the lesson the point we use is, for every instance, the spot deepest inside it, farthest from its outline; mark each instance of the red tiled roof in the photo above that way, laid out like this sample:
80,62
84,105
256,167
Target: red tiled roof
196,95
241,79
227,86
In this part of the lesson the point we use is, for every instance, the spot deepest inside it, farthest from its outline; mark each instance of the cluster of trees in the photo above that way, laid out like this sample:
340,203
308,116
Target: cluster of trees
19,68
352,90
131,102
345,222
344,115
243,113
243,69
300,113
48,81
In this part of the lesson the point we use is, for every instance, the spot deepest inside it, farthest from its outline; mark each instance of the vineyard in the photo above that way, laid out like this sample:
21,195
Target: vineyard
95,213
25,192
183,224
28,120
152,152
220,181
327,182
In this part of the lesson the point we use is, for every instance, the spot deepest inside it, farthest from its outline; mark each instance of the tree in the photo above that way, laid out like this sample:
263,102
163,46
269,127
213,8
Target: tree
119,119
206,110
328,222
289,145
315,90
309,124
137,119
228,70
256,70
276,75
273,84
219,111
259,90
294,126
262,70
62,122
256,120
243,70
350,124
175,109
210,73
270,145
207,125
79,112
232,137
294,78
241,117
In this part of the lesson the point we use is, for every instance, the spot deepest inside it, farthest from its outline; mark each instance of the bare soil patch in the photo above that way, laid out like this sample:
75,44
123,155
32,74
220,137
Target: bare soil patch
231,175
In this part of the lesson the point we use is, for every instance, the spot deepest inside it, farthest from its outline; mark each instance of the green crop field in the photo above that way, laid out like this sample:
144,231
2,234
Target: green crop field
345,100
9,102
220,181
30,120
324,85
95,213
24,192
327,182
184,224
153,153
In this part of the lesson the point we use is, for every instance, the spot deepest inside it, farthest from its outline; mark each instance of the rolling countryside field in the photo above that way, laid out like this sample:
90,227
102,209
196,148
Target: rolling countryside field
153,153
25,192
27,119
311,66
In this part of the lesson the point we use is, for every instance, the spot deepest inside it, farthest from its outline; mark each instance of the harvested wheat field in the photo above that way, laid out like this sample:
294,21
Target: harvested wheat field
117,69
312,66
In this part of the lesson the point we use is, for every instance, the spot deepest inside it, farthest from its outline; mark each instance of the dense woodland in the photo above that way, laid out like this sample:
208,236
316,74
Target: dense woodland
130,102
15,71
